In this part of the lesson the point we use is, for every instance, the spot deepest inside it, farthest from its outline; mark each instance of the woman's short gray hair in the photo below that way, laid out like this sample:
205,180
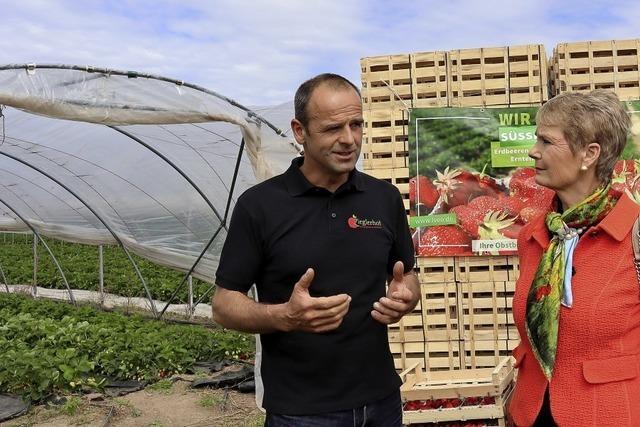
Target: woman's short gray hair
585,118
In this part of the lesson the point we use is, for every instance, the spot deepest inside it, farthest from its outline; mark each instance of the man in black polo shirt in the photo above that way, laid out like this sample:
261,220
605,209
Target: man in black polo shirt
320,242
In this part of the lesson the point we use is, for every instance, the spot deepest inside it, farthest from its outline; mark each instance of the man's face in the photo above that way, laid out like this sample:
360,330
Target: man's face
333,136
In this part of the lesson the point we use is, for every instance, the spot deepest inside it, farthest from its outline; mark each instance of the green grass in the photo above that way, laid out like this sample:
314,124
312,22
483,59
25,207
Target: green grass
163,386
209,400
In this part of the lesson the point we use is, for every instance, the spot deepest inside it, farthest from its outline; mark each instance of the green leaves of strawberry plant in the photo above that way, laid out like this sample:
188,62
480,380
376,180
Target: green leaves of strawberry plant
53,347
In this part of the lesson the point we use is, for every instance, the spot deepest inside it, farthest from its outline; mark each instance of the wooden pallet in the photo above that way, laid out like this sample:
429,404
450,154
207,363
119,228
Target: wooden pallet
511,75
494,383
589,65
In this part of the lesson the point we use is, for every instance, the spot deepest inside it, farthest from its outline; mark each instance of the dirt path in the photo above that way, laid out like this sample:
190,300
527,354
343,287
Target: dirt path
168,406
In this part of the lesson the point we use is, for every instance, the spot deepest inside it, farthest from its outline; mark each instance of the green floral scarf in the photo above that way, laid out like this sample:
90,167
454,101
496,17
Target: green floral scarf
552,282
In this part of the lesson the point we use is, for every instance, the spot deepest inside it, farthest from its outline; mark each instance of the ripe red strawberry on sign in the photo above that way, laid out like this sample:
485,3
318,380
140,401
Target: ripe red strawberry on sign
530,193
459,187
468,218
485,204
512,205
442,240
422,190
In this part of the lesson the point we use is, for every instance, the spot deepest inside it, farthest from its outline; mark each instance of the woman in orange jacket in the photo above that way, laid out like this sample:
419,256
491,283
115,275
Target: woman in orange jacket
577,301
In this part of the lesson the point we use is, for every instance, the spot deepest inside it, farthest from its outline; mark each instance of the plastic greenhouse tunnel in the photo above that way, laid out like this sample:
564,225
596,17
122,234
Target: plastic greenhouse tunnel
138,163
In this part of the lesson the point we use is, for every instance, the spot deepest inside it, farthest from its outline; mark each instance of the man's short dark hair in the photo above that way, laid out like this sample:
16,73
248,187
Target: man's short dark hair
304,92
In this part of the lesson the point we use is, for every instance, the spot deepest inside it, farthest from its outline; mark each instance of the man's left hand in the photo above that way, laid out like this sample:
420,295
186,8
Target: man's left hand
402,296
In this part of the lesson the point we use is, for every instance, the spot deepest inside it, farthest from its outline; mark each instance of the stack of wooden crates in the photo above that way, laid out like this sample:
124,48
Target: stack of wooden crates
463,324
585,66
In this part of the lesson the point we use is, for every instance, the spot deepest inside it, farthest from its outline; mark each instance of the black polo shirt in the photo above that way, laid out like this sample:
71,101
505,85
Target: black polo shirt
351,238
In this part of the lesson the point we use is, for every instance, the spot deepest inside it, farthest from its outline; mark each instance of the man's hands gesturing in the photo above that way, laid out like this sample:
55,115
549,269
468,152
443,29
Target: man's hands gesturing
313,314
402,296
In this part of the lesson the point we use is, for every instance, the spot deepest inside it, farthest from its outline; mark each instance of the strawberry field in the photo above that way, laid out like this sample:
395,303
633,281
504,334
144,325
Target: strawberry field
53,347
81,268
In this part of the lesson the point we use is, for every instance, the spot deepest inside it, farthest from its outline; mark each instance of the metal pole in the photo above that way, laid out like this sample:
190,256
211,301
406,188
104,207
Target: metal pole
35,264
37,237
190,285
4,279
101,273
115,236
223,224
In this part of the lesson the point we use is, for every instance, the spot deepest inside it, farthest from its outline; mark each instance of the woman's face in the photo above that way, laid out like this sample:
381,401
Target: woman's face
557,167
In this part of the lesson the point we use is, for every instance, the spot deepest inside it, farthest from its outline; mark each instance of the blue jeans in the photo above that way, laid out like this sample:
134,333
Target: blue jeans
385,412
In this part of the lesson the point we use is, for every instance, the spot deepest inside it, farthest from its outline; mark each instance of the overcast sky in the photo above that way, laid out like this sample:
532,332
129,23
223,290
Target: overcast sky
258,51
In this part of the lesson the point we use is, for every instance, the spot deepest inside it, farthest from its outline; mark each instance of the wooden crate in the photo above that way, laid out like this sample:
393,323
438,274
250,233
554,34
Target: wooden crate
386,82
589,65
511,75
496,384
486,354
485,311
405,354
483,269
440,312
429,79
435,355
386,145
435,269
513,271
409,329
442,355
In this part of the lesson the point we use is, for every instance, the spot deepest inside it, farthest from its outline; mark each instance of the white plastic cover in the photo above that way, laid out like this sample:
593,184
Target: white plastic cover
87,131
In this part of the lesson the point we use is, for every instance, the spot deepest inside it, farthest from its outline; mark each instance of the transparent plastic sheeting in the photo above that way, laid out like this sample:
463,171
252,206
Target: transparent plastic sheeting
68,124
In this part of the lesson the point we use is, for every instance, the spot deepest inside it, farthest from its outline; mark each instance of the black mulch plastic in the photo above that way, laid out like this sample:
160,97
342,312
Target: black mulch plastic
12,406
226,380
120,388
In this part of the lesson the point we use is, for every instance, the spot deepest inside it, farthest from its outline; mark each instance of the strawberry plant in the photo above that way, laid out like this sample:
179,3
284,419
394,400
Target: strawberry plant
53,347
80,265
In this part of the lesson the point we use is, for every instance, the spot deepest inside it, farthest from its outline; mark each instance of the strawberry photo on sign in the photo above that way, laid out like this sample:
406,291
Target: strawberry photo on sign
472,183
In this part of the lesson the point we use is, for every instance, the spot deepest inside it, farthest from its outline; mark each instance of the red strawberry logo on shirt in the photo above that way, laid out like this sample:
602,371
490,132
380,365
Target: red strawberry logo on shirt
353,221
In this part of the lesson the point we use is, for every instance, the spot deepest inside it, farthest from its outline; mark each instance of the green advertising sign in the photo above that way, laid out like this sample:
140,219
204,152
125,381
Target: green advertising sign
471,182
431,220
462,137
510,154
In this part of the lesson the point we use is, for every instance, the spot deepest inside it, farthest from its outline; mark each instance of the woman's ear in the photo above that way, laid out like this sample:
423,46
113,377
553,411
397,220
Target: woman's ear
591,155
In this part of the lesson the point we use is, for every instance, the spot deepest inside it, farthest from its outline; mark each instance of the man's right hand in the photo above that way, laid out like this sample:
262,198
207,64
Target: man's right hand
305,313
